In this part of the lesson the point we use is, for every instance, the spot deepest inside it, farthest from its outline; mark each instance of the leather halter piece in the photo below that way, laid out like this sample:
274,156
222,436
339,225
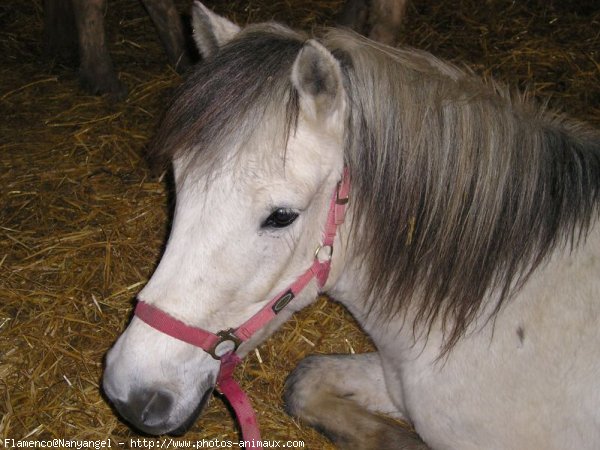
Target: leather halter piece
223,344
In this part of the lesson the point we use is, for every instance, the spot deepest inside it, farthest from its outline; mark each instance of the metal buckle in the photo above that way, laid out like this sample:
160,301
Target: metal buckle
228,342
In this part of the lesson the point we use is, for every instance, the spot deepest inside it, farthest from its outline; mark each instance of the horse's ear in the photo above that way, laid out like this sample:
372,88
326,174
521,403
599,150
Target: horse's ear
211,31
317,77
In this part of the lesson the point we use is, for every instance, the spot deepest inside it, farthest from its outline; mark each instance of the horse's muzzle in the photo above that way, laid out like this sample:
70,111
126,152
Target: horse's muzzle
151,410
147,410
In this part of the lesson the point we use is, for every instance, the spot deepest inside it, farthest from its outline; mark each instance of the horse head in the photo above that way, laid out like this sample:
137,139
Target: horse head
255,138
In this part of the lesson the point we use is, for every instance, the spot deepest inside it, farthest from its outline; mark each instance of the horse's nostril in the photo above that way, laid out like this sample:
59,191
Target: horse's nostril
147,409
192,418
156,408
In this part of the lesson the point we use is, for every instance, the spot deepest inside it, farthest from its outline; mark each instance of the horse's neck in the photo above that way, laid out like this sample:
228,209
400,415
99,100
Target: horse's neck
573,270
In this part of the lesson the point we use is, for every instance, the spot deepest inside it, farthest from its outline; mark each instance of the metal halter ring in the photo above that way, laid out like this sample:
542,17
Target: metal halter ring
228,342
338,200
321,247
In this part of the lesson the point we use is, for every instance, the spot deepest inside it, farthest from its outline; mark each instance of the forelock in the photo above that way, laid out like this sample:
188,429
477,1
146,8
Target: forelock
230,96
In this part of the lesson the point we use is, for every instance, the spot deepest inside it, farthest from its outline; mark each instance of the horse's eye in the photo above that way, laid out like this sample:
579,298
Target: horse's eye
280,218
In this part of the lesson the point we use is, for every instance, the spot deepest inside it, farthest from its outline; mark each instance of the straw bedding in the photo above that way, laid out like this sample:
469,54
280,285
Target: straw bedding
83,219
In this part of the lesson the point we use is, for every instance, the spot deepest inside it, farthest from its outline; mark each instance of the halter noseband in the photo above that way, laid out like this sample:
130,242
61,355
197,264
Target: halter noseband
223,344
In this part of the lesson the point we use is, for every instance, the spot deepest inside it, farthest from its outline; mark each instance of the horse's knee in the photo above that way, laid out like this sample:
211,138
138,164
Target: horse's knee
302,386
319,378
320,391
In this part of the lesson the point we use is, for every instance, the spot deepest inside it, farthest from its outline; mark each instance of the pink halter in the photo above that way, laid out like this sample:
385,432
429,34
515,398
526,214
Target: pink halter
223,344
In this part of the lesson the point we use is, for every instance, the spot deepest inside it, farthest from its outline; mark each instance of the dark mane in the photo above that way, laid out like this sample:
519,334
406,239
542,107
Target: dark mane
459,192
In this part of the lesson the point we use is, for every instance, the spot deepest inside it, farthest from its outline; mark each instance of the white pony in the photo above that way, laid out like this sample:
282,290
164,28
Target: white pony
470,252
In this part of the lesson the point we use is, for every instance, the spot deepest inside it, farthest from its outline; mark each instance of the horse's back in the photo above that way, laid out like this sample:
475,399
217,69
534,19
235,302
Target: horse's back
530,378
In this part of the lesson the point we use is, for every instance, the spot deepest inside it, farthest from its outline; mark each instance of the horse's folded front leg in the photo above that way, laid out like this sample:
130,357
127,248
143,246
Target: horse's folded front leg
345,397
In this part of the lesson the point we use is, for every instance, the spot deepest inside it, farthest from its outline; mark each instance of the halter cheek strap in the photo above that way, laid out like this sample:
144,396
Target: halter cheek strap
223,344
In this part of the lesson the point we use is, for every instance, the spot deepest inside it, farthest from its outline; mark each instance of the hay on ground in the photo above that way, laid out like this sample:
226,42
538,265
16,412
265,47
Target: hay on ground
83,220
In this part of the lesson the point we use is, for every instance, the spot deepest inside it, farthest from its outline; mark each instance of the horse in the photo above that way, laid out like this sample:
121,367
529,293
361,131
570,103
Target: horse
470,249
380,20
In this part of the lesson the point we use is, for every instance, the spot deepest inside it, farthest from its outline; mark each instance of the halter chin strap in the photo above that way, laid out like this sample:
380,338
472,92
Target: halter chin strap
223,344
